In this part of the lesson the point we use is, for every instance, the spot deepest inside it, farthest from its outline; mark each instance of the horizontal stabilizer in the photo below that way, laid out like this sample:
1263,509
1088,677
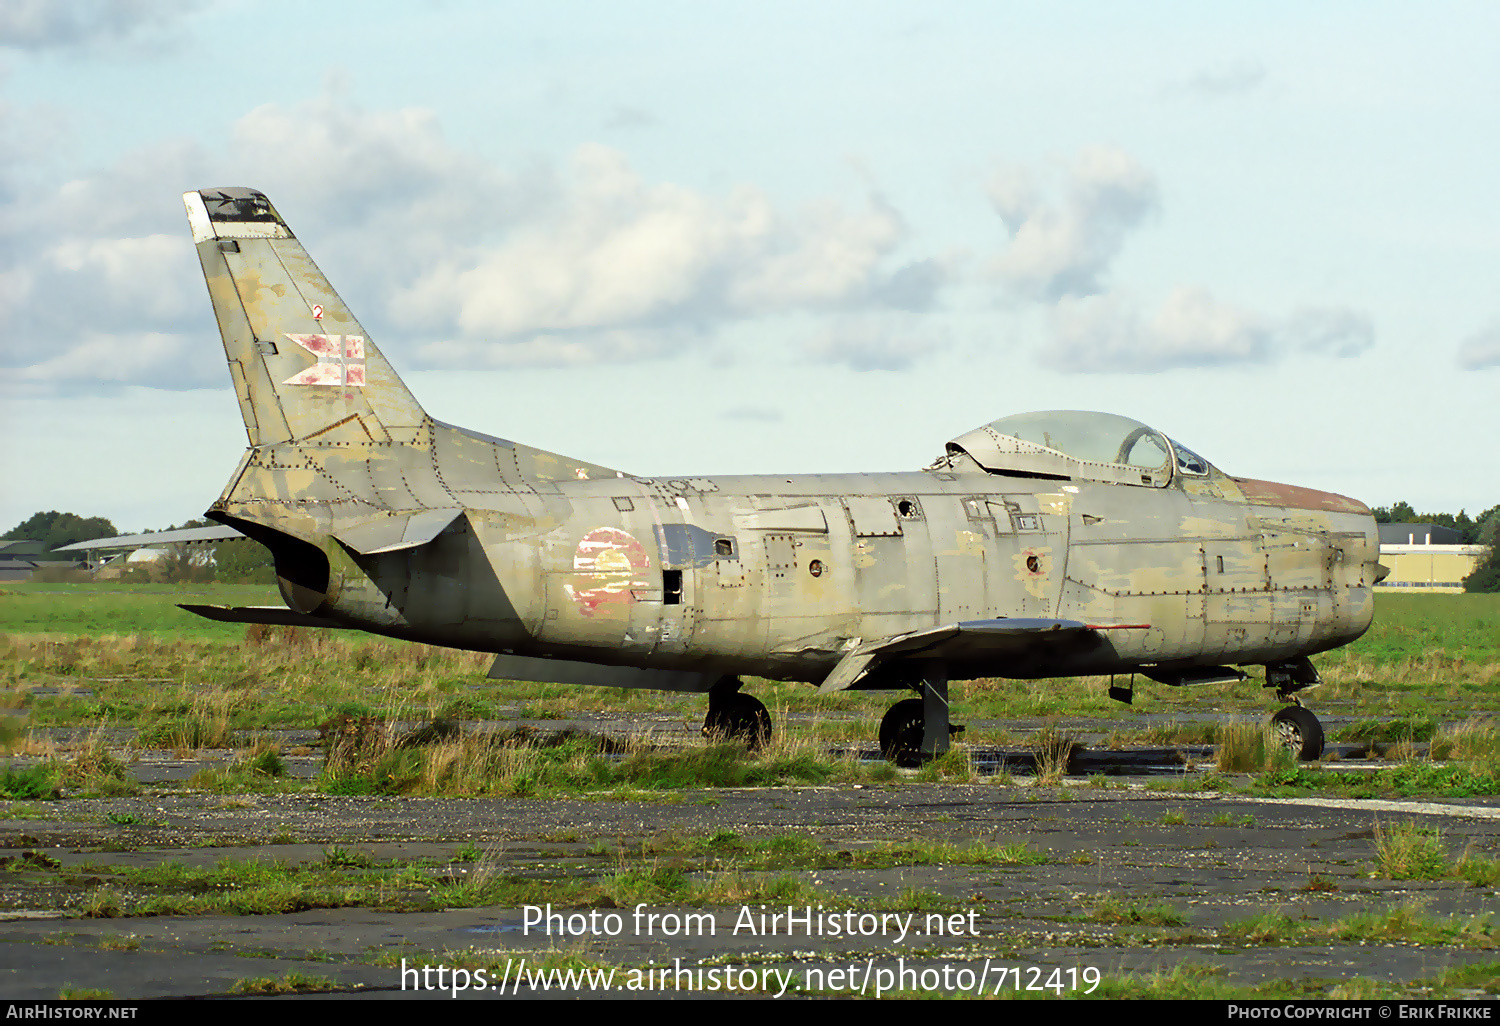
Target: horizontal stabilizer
968,640
279,615
567,671
405,531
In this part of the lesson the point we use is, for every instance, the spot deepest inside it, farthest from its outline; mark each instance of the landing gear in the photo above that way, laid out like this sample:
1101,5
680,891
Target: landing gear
901,733
735,716
1299,732
1296,727
916,730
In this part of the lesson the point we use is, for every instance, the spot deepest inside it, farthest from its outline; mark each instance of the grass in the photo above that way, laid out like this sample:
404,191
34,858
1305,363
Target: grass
783,851
1191,981
71,993
1402,728
1407,923
1409,852
1249,748
718,869
1404,781
522,764
291,983
79,654
1122,912
37,781
1053,750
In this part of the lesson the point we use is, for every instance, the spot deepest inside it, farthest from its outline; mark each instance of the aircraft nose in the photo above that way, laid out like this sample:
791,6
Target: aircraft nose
1274,493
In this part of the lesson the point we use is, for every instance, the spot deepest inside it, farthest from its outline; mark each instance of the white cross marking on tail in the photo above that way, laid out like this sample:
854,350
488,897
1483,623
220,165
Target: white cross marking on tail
341,360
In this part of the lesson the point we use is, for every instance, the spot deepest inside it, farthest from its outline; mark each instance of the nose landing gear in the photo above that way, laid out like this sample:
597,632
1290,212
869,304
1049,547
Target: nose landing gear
1296,727
1299,732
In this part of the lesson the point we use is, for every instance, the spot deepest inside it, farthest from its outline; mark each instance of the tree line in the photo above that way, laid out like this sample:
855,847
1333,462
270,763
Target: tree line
232,562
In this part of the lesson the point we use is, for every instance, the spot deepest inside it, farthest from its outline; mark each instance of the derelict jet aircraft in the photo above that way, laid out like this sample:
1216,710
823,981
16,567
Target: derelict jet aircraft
1039,545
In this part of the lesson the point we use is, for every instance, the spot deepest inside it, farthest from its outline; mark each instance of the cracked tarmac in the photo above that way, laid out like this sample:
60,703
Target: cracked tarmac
1210,858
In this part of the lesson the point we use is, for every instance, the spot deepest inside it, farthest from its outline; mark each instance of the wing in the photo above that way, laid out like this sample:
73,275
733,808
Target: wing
967,641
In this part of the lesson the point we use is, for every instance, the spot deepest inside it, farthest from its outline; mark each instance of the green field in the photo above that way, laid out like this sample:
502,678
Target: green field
100,610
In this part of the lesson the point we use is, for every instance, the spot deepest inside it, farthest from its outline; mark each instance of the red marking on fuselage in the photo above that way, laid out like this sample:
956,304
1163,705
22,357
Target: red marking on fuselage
1272,493
607,564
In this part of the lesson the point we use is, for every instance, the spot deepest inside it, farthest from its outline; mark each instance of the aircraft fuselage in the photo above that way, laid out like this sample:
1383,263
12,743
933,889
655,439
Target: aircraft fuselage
777,576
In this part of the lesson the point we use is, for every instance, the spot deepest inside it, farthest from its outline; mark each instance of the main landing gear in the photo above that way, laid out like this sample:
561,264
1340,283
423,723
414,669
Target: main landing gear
735,716
916,730
1296,727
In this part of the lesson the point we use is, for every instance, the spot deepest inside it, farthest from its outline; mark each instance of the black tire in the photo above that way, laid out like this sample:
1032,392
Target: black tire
1299,732
739,717
901,733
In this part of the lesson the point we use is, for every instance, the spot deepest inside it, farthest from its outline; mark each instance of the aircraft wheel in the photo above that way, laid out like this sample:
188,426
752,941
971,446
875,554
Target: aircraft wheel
739,717
1299,732
901,733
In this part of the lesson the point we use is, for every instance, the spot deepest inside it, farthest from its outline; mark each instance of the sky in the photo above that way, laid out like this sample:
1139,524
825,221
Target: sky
685,238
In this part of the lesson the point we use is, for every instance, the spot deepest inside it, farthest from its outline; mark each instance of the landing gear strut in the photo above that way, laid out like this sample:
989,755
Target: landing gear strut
916,730
735,716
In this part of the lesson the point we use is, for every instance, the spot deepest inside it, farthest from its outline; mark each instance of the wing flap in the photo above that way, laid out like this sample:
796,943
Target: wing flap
967,640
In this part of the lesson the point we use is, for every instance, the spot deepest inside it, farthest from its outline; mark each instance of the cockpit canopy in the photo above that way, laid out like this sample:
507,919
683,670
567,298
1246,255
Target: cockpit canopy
1078,444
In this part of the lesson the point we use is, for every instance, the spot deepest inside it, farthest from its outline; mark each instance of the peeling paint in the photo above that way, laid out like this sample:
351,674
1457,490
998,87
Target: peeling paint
1033,566
609,563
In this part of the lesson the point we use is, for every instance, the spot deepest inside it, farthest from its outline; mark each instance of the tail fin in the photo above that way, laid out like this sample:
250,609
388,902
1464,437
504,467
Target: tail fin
303,368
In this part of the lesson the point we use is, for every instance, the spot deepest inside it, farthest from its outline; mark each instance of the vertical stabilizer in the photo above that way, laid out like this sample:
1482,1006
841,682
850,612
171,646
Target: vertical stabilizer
303,367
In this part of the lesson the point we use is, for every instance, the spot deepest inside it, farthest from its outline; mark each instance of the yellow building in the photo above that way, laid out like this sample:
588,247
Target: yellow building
1429,569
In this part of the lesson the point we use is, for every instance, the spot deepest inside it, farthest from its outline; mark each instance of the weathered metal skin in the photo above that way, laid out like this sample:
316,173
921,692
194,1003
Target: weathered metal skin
386,520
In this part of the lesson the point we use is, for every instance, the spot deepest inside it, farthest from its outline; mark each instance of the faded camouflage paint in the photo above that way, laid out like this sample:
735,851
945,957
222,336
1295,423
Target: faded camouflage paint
435,533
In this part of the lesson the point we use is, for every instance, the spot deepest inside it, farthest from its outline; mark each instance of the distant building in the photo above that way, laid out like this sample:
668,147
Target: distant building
1426,559
21,558
1419,534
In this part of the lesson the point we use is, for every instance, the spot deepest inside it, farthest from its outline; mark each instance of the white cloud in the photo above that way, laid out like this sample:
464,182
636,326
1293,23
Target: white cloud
1332,331
151,275
567,349
612,250
530,266
99,362
1100,334
886,341
1226,79
1192,328
626,118
58,24
1063,245
1482,349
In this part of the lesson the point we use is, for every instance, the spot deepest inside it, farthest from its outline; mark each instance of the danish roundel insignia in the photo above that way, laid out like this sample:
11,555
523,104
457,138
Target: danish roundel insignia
607,564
